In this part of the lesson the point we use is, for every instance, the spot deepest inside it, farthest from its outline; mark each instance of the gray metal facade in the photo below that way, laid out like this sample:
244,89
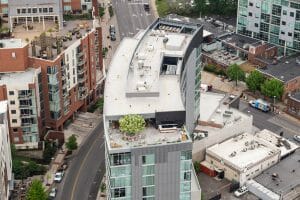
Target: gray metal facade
167,170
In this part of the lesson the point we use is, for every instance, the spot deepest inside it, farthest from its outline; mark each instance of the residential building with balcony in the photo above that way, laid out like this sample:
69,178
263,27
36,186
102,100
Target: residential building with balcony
47,81
273,21
6,178
156,75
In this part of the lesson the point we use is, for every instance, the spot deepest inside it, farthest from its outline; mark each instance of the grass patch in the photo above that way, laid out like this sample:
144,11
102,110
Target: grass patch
163,7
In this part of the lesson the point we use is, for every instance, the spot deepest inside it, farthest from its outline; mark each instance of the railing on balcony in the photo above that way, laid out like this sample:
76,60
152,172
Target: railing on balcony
81,80
81,70
80,54
80,63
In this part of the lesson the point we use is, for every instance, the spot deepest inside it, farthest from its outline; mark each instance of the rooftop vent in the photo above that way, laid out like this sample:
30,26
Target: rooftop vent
165,40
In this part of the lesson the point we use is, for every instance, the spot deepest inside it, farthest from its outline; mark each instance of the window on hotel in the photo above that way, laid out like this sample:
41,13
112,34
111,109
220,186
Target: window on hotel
50,9
45,10
40,10
12,102
23,10
15,130
11,92
29,10
14,121
18,10
13,111
34,10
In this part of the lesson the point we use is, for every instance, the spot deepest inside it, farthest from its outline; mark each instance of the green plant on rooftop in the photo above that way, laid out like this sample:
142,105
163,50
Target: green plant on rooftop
132,124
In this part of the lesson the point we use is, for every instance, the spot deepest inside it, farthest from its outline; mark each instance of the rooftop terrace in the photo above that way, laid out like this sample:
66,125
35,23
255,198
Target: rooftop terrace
12,43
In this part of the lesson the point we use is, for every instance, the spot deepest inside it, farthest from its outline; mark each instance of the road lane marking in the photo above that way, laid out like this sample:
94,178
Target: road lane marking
84,160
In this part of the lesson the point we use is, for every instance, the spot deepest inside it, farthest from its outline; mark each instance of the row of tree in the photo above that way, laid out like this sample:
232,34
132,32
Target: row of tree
257,82
217,7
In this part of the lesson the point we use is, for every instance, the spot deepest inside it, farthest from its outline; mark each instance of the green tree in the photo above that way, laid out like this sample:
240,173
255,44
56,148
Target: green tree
272,87
13,151
235,73
255,80
132,124
36,191
72,143
197,167
49,151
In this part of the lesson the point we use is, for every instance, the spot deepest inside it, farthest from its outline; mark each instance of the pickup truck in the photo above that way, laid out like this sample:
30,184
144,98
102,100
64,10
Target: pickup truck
260,105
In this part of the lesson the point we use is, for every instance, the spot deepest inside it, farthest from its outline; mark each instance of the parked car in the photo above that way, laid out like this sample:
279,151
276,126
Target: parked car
242,190
112,29
113,36
260,105
52,193
147,7
297,138
58,176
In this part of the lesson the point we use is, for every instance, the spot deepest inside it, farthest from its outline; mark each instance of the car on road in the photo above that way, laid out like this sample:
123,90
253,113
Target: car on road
112,32
52,193
58,176
242,190
297,138
260,105
147,7
113,36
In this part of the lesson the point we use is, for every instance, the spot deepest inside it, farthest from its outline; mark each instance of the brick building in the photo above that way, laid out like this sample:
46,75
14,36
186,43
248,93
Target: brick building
293,104
47,81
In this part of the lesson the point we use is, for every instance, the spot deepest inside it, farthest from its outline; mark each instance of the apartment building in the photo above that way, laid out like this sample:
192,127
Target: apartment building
5,154
47,81
274,21
155,74
40,10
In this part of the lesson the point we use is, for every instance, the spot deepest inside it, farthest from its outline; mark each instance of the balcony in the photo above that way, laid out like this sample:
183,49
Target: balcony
80,54
25,96
81,80
25,105
80,63
81,70
81,89
66,103
26,116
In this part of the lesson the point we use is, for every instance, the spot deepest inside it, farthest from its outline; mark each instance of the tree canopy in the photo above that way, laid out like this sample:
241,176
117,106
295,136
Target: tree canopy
272,87
234,72
132,124
72,143
36,191
254,81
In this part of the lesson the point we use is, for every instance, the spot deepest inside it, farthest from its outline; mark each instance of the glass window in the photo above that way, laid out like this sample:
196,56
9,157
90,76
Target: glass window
14,120
185,187
149,170
34,10
148,159
186,155
50,9
12,102
148,180
148,191
120,159
11,92
292,14
120,171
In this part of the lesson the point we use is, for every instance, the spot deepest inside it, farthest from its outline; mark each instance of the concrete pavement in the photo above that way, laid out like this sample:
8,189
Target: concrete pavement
86,164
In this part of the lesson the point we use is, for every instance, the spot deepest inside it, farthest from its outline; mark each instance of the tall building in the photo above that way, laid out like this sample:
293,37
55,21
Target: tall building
156,75
274,21
47,81
5,154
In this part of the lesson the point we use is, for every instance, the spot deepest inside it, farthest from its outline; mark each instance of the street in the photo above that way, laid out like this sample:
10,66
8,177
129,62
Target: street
86,169
131,16
271,121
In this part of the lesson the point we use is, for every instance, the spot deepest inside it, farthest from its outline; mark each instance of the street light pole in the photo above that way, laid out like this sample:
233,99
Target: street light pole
274,103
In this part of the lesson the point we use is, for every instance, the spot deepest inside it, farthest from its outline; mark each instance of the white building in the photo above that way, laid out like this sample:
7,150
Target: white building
215,126
5,154
245,156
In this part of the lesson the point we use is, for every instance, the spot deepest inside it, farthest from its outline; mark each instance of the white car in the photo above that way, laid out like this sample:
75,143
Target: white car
53,192
242,190
297,138
58,176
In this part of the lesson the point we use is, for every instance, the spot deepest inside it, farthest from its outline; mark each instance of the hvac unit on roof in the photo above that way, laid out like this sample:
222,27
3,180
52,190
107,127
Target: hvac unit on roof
140,64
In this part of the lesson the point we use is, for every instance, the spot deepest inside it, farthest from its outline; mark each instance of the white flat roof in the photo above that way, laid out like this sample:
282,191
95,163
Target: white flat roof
243,150
134,84
3,106
12,43
19,80
209,103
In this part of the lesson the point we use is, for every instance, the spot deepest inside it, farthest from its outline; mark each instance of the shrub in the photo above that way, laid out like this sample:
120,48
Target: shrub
132,124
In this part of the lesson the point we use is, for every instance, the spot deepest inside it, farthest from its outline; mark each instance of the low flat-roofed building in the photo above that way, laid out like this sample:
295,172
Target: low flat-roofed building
281,181
293,104
218,122
247,155
286,70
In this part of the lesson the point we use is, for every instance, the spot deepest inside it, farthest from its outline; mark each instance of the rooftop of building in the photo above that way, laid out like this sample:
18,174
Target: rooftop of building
284,69
248,149
54,42
149,78
241,41
296,96
150,136
3,106
214,108
19,80
12,43
242,151
210,25
282,177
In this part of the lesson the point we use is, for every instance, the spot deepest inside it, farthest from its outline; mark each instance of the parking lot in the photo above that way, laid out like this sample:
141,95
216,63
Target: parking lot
211,187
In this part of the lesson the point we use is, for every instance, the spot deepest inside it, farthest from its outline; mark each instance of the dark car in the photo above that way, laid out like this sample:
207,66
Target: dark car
147,7
113,36
112,29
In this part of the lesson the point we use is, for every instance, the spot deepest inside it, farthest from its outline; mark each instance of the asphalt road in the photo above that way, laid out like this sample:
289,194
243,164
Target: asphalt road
271,121
131,16
86,169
